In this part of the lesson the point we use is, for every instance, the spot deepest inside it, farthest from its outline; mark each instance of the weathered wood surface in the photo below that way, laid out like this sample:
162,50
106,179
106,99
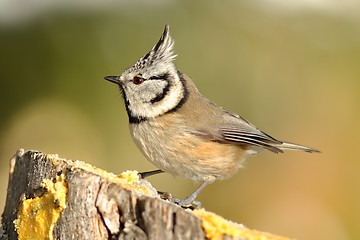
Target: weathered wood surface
97,206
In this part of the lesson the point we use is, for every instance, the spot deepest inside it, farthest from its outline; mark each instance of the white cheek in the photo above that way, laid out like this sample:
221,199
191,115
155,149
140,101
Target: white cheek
150,92
140,105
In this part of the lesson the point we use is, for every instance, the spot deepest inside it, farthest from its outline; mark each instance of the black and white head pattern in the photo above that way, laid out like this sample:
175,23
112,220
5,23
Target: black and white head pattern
152,86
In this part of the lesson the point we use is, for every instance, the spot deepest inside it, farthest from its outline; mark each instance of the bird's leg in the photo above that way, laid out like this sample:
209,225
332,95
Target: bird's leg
192,196
144,175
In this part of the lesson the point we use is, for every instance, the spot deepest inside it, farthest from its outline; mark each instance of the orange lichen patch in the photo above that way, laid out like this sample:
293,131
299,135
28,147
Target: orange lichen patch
38,216
215,227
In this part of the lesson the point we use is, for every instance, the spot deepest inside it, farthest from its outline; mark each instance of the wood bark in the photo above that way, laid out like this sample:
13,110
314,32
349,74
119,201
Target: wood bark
96,207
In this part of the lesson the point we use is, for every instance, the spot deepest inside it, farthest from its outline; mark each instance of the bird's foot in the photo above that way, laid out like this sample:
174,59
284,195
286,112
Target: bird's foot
189,203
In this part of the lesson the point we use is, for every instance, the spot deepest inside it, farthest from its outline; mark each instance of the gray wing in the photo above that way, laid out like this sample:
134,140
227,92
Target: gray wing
236,129
253,137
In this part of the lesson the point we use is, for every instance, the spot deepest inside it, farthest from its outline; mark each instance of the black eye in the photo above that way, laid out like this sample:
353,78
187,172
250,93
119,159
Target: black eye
138,80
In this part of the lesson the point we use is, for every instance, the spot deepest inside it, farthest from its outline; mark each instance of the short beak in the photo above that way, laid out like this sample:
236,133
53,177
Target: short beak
113,79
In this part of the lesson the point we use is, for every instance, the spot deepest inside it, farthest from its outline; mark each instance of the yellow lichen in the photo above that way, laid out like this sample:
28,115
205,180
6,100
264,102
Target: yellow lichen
131,179
38,216
128,179
215,227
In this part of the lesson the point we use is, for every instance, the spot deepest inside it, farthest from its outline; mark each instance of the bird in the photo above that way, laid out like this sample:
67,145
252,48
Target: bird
179,130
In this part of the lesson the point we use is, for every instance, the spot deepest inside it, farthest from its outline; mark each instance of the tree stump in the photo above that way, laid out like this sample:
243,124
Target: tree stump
53,198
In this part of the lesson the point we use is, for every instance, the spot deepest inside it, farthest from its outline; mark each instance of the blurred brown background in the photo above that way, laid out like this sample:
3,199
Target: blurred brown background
290,67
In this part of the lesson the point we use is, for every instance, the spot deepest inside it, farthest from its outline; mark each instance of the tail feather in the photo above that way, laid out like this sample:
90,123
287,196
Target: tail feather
293,146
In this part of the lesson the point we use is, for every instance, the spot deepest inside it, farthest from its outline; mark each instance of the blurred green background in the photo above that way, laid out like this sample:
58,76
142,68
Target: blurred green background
290,67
